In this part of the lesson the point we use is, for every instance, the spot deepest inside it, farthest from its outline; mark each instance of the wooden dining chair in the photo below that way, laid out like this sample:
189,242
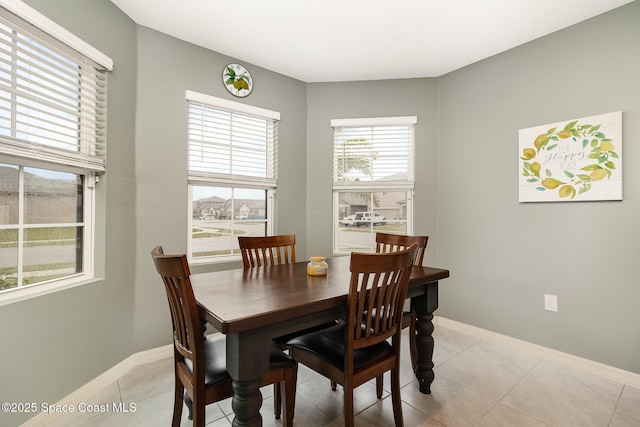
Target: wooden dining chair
396,242
267,250
356,351
386,243
273,250
393,243
200,363
262,251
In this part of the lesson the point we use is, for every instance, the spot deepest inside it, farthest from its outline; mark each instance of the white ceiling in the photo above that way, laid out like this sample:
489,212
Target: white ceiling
346,40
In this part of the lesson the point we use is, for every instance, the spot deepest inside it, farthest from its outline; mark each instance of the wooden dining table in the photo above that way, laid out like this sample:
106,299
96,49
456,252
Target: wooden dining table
253,306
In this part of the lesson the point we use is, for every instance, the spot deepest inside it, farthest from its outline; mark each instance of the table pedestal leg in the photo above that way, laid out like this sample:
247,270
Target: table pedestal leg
424,306
246,403
424,349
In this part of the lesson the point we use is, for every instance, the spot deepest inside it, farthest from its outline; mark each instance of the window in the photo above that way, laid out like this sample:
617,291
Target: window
232,175
373,179
52,145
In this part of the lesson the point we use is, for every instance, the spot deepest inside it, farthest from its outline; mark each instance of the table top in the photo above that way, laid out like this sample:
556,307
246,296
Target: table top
243,299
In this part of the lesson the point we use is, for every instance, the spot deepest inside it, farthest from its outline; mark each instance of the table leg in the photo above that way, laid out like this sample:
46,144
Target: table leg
247,360
424,349
246,403
425,305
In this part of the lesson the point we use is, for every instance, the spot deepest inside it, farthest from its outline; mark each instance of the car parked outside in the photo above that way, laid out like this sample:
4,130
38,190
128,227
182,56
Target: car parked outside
348,221
363,218
366,218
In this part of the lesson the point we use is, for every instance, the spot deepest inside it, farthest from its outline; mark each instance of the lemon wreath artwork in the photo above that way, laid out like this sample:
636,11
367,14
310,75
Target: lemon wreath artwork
579,159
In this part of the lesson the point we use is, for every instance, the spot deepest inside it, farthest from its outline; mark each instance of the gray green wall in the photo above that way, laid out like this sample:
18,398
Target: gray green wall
55,343
503,255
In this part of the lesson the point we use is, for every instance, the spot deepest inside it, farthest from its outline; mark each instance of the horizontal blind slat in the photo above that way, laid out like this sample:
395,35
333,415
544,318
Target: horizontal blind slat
52,99
225,143
373,153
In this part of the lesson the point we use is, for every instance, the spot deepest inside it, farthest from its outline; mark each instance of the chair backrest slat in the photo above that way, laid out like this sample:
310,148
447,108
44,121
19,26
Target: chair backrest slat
395,242
269,250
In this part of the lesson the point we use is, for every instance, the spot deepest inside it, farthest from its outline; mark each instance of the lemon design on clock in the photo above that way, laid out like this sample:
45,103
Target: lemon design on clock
237,80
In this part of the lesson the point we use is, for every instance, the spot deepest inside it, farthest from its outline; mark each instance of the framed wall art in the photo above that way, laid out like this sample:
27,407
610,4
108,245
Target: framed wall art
574,160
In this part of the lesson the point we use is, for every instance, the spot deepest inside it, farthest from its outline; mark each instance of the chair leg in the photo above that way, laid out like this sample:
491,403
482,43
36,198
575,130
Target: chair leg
198,410
334,385
177,402
395,396
379,386
347,389
288,396
412,341
277,400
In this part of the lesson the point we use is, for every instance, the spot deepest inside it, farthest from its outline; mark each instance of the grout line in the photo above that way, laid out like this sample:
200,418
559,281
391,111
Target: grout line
610,372
501,398
535,365
615,408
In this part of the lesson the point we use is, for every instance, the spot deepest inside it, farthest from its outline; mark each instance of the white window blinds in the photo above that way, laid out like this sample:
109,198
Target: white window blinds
234,147
373,152
52,98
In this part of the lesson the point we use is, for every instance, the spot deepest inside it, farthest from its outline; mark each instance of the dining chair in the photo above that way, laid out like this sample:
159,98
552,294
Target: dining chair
356,351
262,251
393,243
273,250
267,250
200,362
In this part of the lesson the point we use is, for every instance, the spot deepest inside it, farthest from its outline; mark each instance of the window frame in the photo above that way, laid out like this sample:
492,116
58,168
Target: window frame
399,186
88,249
15,151
269,225
204,179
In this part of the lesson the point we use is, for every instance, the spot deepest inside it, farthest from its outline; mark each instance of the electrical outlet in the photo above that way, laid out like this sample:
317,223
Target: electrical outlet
550,302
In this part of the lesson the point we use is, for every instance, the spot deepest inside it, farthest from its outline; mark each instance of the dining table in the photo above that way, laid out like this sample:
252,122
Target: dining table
253,306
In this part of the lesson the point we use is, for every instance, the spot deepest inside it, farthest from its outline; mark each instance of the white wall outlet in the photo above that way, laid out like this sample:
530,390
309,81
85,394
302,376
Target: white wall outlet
550,302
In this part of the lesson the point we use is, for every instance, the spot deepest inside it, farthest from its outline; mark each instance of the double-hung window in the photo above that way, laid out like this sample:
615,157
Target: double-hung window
232,175
52,146
373,180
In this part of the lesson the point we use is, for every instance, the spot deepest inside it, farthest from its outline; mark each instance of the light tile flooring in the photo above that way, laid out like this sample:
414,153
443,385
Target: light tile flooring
477,383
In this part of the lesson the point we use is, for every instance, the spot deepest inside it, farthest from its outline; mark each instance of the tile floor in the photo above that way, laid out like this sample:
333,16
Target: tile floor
477,383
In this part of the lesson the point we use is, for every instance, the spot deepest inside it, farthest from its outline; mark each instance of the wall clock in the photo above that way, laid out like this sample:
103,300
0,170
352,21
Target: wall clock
237,80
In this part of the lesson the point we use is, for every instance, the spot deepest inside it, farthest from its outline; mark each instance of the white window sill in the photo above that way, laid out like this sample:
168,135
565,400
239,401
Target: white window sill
34,291
215,260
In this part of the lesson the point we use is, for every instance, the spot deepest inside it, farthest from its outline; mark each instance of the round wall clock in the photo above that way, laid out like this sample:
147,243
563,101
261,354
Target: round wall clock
237,80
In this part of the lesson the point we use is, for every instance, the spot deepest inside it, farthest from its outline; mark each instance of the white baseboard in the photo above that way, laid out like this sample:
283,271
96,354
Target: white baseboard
84,393
615,374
